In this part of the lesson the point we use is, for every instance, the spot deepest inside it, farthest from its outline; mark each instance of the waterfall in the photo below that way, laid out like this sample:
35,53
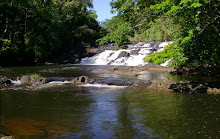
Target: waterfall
132,56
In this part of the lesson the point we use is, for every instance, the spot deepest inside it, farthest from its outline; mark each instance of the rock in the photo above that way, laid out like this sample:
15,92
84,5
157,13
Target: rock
123,54
161,85
213,91
33,80
25,79
134,52
120,82
8,81
128,83
81,79
189,87
37,80
5,80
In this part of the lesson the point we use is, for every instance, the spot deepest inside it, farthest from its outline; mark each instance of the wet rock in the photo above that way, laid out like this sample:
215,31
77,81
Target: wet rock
5,80
37,81
123,54
33,80
128,82
134,52
81,80
120,82
189,87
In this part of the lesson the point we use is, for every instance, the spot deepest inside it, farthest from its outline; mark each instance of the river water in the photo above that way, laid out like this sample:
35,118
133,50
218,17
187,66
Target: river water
68,111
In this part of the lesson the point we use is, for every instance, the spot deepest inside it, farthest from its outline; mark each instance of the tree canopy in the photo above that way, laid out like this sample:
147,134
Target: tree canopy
37,31
193,25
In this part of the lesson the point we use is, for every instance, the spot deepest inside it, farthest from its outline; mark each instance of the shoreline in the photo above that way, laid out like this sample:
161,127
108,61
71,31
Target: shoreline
129,76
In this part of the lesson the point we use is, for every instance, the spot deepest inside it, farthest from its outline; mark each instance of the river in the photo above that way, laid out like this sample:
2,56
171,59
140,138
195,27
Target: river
68,111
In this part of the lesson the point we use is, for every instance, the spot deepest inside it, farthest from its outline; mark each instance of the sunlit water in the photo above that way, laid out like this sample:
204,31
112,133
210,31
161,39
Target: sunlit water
68,111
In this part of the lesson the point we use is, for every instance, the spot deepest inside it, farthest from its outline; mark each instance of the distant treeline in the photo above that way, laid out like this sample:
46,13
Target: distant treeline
193,25
38,31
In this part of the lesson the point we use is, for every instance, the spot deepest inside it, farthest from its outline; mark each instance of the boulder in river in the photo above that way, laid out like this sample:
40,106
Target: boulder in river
32,79
81,80
123,54
134,52
25,79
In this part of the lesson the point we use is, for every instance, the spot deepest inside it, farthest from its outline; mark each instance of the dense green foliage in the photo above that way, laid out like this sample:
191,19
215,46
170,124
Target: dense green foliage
161,29
136,21
37,31
172,51
193,25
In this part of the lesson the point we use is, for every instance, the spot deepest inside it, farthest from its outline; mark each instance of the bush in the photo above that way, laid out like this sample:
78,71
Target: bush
172,51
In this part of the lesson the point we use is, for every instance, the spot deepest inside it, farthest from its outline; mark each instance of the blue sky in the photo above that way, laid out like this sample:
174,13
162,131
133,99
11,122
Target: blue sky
103,9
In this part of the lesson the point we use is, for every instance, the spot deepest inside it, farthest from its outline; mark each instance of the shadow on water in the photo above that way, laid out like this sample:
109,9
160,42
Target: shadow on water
54,111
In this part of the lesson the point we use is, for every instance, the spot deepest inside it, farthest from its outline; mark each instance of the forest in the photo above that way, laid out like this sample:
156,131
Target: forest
39,31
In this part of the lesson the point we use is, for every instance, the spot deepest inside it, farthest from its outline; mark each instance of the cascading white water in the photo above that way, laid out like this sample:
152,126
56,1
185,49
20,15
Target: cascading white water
133,56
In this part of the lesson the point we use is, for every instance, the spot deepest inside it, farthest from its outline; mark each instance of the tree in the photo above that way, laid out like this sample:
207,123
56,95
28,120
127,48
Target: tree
36,31
200,38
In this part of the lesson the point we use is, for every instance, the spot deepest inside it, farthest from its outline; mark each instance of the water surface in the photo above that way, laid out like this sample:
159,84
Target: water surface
68,111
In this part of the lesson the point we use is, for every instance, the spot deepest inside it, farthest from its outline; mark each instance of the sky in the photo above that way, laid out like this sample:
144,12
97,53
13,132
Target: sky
103,9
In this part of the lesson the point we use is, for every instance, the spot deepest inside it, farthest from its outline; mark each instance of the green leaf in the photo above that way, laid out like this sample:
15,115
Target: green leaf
196,5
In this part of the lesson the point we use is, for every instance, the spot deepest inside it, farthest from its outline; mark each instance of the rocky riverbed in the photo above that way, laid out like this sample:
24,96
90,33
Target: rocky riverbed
161,85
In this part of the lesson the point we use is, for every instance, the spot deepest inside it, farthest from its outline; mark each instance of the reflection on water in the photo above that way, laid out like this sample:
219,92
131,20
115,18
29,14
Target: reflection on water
67,111
48,70
177,116
148,75
91,112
